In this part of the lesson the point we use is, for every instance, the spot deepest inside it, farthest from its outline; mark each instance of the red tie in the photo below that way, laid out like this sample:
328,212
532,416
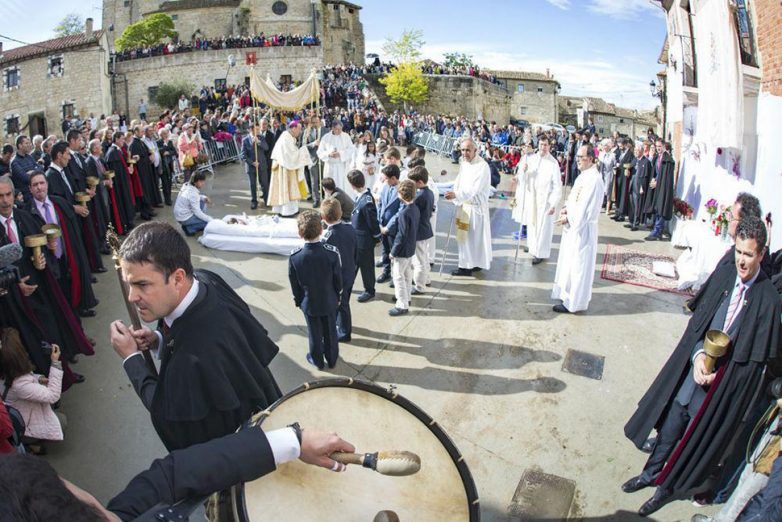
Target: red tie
10,230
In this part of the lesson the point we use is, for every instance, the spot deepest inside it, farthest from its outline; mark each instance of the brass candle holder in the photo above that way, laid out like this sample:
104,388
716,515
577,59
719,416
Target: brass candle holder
715,344
627,167
109,174
92,182
82,198
51,231
36,241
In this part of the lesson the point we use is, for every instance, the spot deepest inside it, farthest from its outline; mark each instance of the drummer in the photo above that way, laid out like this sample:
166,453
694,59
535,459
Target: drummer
32,490
214,355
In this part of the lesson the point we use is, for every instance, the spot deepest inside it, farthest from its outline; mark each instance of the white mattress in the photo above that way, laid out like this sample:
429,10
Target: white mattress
260,235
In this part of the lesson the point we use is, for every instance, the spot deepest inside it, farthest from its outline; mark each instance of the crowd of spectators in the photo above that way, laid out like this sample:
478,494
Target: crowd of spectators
226,42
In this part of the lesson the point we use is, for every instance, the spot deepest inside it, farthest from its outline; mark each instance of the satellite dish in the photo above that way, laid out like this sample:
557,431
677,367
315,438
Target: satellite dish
231,60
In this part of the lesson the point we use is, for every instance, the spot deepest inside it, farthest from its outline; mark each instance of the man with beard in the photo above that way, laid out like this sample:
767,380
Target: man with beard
39,294
214,354
699,413
70,265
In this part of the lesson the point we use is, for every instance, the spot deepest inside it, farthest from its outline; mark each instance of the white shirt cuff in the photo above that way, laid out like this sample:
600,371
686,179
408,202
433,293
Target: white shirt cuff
285,446
129,356
697,354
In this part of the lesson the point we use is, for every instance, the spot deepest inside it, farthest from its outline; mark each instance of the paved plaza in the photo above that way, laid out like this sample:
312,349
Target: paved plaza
484,357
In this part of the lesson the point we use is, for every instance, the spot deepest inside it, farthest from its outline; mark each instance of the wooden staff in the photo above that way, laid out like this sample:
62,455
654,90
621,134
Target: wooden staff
252,128
114,243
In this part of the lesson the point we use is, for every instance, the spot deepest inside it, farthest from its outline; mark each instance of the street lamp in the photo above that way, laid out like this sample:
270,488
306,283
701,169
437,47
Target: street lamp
653,88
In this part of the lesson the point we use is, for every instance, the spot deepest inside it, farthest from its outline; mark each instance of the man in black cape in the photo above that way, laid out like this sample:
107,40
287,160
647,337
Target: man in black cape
70,265
699,415
624,180
123,189
145,168
100,204
39,294
639,188
214,354
661,202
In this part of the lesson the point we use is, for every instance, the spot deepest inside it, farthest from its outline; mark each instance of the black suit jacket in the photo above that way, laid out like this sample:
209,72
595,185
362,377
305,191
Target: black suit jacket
196,471
57,186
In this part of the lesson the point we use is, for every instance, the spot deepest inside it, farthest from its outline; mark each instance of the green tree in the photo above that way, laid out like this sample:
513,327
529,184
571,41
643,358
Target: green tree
168,93
407,48
71,24
407,84
148,31
458,60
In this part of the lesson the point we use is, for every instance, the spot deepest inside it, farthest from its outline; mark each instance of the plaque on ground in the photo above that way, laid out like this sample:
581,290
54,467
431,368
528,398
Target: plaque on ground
584,364
540,496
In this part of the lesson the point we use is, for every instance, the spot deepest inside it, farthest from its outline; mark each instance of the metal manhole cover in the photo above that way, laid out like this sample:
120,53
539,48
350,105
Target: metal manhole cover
584,364
540,496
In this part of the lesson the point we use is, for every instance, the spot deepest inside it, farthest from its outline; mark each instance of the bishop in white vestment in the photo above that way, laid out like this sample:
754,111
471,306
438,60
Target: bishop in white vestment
578,249
336,153
471,195
543,190
287,186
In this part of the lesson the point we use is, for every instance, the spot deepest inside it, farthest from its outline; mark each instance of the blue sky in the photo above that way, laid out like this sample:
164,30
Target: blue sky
605,48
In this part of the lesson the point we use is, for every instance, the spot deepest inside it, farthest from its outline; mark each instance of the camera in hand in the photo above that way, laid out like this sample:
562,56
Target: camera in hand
46,348
9,274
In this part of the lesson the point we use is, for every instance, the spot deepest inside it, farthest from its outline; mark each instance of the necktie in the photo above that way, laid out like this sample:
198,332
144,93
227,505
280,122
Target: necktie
78,161
734,307
50,219
67,183
10,230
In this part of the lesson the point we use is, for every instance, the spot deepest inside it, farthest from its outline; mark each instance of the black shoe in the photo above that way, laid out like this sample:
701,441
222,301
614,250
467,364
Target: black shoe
342,339
416,291
100,270
253,205
635,484
476,269
87,313
312,362
316,204
659,499
537,260
382,278
378,264
652,237
648,445
391,285
78,378
365,296
560,309
619,219
464,272
629,225
633,229
168,203
395,312
93,279
526,250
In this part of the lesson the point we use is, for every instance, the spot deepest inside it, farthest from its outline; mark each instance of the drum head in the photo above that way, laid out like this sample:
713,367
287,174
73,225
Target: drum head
372,419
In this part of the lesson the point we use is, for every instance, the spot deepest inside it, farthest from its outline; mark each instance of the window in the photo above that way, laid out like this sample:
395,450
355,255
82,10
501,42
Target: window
126,3
520,87
55,66
11,78
523,111
746,39
12,124
67,110
174,17
286,79
220,84
152,93
540,89
600,119
621,120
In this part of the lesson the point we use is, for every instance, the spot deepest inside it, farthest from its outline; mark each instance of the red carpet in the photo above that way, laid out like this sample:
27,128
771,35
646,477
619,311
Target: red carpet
635,268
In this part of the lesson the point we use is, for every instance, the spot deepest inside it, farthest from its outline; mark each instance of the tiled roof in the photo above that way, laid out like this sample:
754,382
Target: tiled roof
600,105
55,45
520,75
343,2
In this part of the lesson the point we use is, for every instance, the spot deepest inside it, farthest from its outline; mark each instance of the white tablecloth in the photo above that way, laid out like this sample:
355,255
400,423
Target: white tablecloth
704,251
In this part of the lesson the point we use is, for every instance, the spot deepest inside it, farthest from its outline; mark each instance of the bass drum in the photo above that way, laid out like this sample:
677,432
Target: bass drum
372,418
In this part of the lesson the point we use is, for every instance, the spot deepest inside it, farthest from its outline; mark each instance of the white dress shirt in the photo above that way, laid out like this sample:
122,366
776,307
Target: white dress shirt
3,220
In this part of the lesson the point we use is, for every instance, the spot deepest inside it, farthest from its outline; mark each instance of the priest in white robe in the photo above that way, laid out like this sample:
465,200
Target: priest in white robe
578,250
543,191
471,195
336,153
287,185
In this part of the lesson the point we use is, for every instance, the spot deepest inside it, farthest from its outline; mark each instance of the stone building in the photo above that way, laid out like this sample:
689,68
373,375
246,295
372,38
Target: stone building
534,95
607,117
335,22
46,82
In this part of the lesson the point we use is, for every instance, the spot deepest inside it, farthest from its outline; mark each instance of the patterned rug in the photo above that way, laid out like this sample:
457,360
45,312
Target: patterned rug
635,268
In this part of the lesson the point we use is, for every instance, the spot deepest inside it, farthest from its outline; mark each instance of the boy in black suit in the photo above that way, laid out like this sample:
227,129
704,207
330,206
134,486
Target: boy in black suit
364,221
403,248
315,273
424,200
342,236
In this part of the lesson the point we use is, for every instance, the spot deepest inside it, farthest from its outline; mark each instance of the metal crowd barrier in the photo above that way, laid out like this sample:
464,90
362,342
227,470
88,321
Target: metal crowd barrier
221,152
443,145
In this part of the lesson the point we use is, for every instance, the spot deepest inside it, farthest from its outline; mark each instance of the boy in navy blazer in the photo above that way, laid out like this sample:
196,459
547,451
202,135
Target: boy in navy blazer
388,206
424,200
364,221
403,249
342,236
315,273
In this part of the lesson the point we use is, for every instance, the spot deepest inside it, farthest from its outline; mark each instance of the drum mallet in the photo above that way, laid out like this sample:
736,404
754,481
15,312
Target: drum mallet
393,463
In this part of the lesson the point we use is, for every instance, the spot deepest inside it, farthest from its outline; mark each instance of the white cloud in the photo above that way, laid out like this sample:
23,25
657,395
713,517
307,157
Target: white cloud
624,9
561,4
596,76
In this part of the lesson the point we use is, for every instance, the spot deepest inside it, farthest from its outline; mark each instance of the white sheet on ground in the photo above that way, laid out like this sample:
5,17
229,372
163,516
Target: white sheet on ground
252,234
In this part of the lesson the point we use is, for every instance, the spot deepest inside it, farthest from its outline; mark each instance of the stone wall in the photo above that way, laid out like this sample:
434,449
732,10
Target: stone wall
84,83
213,22
536,103
204,67
768,17
296,20
342,34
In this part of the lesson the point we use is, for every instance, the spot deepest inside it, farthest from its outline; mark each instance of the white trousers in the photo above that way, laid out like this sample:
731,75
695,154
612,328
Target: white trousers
421,265
402,274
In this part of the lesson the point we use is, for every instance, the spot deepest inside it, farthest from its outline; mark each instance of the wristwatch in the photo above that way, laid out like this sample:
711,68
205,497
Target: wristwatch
297,430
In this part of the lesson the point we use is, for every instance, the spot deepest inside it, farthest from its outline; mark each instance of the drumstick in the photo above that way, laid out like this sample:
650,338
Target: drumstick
393,463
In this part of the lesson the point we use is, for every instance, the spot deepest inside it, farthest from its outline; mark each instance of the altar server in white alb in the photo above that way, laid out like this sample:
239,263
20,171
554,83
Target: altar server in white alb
576,262
287,186
543,190
471,195
336,153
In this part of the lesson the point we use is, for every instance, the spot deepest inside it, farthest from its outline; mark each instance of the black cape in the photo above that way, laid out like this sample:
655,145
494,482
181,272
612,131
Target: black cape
214,372
123,191
661,202
710,437
89,234
146,171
